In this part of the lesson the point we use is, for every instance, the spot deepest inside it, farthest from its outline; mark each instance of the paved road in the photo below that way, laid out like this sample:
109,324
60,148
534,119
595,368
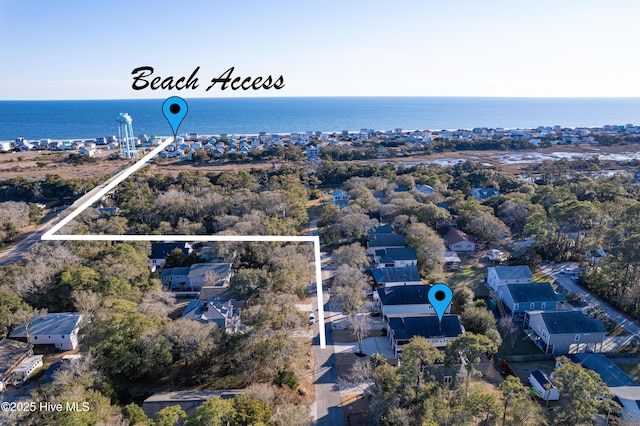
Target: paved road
17,251
620,318
327,409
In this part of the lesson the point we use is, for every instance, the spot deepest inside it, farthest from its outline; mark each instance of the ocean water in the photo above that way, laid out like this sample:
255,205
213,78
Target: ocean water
95,118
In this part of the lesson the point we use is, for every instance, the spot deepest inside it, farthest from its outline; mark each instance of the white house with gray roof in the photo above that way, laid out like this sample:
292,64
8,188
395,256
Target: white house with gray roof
395,257
60,330
502,275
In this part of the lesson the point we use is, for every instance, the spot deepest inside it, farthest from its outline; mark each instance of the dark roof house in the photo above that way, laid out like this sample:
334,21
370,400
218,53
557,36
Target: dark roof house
564,331
406,275
379,241
438,333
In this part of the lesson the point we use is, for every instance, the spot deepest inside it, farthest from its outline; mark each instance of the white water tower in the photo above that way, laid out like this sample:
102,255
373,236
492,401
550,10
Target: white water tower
125,133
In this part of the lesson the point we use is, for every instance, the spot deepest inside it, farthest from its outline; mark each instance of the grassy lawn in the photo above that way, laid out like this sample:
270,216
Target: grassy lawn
522,369
523,346
471,276
540,277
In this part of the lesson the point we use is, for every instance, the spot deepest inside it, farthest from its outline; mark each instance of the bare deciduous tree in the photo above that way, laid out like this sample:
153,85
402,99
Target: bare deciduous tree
359,326
509,329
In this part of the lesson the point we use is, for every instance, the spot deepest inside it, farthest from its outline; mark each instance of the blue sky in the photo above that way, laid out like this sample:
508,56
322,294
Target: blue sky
87,50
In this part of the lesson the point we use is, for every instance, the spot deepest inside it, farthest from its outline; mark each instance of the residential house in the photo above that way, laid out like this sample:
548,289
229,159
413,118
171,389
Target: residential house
519,298
438,333
625,389
312,151
502,275
405,301
391,277
160,251
12,354
381,229
187,400
564,331
378,241
340,198
395,257
175,279
60,330
483,193
457,240
214,274
209,311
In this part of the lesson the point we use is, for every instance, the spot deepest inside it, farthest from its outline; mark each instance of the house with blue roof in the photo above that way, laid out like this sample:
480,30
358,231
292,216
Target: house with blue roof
625,389
391,277
519,298
379,241
438,333
410,300
482,193
160,251
395,257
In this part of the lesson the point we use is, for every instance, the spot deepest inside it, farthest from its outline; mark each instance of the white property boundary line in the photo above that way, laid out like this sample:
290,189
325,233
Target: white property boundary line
116,180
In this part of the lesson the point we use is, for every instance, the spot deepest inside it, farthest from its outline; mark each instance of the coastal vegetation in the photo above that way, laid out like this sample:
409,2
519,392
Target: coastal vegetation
566,210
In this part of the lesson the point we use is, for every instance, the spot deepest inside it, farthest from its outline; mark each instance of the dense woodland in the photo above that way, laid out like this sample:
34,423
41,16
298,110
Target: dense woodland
132,346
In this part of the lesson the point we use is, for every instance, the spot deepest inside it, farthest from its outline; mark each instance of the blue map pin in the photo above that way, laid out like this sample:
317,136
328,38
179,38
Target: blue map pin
440,296
174,110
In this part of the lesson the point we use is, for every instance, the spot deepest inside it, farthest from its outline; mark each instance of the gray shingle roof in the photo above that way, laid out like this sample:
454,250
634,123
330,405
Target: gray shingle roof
570,322
391,275
405,328
521,272
386,240
406,253
404,295
183,270
222,270
534,292
610,373
48,324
